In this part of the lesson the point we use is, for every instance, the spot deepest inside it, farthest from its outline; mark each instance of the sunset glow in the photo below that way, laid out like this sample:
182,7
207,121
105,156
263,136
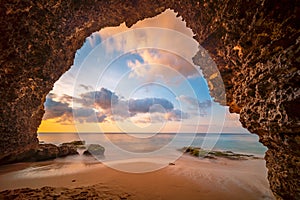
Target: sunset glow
146,90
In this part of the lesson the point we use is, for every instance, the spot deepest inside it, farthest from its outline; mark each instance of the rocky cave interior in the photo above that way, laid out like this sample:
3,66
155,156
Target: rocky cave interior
254,43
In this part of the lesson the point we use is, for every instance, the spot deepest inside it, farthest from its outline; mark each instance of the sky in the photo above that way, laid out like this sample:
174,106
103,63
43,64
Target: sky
139,79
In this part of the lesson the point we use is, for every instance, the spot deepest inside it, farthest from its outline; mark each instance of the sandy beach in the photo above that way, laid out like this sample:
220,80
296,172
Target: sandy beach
189,178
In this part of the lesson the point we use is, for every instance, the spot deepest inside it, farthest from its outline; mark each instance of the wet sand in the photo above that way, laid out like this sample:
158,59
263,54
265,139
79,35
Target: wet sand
190,178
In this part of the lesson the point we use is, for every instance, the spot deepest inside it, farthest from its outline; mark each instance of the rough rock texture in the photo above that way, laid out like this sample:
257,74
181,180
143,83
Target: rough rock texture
99,191
198,152
255,44
44,152
66,150
94,149
51,151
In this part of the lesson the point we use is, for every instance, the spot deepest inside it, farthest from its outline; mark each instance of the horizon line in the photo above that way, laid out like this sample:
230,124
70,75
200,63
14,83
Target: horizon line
144,133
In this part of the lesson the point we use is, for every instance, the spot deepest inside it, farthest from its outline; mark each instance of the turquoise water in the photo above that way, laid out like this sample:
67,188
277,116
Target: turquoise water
147,143
123,151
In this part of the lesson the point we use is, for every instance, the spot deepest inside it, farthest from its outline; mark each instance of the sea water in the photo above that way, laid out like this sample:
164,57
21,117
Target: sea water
163,144
153,151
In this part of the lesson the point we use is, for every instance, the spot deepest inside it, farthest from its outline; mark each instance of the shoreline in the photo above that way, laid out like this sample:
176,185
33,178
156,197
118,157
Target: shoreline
190,178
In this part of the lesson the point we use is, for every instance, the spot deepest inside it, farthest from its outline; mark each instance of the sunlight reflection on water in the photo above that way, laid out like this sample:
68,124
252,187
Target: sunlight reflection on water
239,143
54,169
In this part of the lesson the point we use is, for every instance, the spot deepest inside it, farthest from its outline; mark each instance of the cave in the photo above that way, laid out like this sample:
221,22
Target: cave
254,43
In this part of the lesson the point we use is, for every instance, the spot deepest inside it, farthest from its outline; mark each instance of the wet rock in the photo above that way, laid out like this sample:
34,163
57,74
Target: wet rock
210,157
255,45
95,149
80,144
67,149
48,152
45,152
198,152
76,143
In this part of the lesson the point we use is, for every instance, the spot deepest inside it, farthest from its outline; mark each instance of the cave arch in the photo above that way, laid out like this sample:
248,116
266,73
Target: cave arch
254,43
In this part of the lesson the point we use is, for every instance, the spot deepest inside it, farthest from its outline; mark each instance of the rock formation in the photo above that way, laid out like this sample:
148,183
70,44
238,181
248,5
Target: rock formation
44,152
255,44
51,151
95,150
202,153
88,192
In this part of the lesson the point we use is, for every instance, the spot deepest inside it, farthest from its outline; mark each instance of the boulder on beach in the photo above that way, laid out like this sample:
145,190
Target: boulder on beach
198,152
94,149
45,152
80,144
67,149
51,151
75,142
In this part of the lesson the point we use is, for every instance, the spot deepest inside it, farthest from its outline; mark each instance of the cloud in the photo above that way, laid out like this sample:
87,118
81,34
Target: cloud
56,109
161,64
232,119
167,20
94,40
232,116
104,105
162,20
135,108
197,107
66,99
117,108
86,87
176,115
103,98
63,113
148,105
169,43
51,95
90,43
195,102
89,115
191,101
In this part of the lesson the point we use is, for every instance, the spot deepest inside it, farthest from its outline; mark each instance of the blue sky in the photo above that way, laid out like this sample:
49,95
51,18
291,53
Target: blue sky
137,79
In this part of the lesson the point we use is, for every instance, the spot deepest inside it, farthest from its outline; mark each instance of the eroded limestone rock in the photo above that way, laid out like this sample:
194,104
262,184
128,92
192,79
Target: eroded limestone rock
94,149
254,43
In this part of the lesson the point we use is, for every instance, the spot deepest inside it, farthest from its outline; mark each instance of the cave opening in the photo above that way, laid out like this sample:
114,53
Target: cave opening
255,44
141,82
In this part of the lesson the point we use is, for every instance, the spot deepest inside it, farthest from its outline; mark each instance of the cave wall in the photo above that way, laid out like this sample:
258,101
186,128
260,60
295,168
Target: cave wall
254,43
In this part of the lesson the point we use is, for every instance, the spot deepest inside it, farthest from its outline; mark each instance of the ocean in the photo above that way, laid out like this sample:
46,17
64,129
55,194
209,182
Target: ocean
158,149
146,142
127,153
